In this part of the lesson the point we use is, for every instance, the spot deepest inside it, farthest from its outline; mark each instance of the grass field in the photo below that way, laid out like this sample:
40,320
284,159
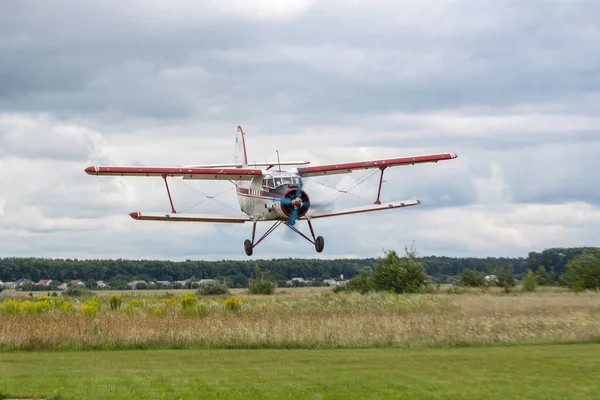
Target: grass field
321,320
512,372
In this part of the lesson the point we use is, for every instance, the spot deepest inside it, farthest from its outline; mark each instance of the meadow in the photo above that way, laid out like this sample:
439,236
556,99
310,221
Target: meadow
311,318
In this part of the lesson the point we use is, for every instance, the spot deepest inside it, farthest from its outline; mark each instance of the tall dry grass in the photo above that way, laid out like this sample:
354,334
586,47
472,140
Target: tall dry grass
319,321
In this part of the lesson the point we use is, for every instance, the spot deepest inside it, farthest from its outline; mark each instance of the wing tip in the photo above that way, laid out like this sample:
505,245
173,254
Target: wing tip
135,215
92,170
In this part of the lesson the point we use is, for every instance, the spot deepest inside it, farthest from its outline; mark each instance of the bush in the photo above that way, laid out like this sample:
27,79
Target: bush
401,275
77,290
472,278
261,284
505,278
530,282
233,304
115,302
91,307
188,301
212,287
361,283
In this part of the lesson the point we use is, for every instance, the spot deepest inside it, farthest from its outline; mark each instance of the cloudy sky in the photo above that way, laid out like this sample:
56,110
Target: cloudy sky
513,87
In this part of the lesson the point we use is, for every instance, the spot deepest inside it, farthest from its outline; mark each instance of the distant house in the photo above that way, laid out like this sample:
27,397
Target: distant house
333,282
101,284
24,281
136,284
9,285
296,281
45,282
77,282
63,286
163,283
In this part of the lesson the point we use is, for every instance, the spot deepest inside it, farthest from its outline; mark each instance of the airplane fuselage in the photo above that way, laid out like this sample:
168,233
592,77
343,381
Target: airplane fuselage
272,196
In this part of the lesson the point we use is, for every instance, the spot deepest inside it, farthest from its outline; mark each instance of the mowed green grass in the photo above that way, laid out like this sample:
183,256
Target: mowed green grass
512,372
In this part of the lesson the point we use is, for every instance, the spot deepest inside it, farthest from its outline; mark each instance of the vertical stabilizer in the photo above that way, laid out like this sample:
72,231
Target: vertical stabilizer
241,158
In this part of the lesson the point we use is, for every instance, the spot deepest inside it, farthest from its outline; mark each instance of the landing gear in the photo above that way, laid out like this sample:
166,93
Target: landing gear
319,244
250,244
248,247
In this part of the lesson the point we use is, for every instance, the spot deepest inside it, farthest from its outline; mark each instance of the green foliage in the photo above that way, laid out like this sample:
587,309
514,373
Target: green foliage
542,278
262,283
582,271
91,307
505,278
188,301
401,275
77,291
233,304
115,302
472,278
362,283
530,282
212,288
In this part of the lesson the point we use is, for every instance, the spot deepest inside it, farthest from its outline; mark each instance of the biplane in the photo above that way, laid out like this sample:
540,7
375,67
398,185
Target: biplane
268,193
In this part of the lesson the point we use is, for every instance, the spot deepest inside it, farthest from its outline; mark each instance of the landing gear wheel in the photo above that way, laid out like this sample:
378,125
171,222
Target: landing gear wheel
319,244
248,247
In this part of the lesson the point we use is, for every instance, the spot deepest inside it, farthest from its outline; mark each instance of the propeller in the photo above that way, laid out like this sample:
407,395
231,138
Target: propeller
295,203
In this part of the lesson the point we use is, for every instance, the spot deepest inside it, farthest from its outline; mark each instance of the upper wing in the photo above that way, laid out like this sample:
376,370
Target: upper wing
185,172
345,168
363,209
233,219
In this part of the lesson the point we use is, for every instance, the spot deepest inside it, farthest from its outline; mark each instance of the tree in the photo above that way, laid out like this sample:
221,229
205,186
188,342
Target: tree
530,283
505,277
473,278
362,283
541,276
400,274
262,283
583,271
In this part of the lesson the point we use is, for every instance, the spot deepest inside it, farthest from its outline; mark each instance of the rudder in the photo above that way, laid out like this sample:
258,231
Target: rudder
241,158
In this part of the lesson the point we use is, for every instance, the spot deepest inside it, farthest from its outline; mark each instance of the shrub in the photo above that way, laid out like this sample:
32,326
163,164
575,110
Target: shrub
67,308
401,275
541,277
505,278
91,307
212,287
261,284
530,283
115,302
233,304
472,278
361,283
188,301
77,290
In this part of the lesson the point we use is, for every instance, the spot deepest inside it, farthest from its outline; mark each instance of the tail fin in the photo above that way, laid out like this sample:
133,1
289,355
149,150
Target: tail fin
240,148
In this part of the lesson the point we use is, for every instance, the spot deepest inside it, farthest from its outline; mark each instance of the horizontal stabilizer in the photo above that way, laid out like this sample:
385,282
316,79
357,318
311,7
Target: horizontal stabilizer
250,164
232,219
363,209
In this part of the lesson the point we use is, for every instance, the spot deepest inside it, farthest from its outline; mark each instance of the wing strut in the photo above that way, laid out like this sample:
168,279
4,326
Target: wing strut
164,176
380,182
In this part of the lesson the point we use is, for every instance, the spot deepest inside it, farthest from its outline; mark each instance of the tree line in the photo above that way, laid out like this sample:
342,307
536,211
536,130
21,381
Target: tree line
237,273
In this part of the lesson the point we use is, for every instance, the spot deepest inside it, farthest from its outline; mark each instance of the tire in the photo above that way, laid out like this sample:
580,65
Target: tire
248,247
319,244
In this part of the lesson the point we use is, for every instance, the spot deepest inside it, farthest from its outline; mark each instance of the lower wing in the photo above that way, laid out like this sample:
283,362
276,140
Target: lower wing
231,219
362,209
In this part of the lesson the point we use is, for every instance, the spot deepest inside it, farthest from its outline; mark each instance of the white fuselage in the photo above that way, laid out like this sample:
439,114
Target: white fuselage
261,197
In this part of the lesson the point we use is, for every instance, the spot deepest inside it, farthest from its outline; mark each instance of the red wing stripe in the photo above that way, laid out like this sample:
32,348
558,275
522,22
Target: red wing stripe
159,171
188,217
321,169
